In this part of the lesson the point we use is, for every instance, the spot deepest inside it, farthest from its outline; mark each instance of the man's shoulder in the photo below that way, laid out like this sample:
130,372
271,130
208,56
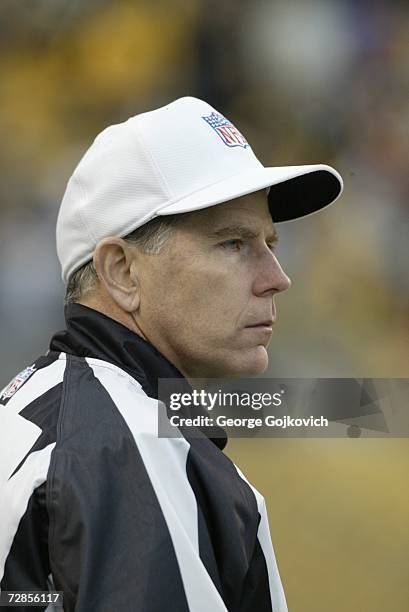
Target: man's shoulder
90,379
43,381
61,396
38,382
29,409
101,397
42,390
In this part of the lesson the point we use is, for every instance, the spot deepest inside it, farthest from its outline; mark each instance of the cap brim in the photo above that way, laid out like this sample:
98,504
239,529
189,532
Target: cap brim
296,191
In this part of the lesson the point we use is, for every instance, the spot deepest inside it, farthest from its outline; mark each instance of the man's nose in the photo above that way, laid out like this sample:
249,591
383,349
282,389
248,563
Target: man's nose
271,278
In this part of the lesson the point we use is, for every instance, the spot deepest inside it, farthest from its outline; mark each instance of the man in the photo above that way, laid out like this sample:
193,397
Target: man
166,241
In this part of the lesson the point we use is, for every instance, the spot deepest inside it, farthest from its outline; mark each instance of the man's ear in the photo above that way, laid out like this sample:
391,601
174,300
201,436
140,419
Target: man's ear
114,263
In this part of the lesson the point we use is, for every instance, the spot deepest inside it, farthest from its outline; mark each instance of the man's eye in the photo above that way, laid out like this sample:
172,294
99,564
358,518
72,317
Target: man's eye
232,245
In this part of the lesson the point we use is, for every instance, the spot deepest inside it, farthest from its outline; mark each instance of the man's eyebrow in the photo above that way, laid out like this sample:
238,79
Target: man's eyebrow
243,232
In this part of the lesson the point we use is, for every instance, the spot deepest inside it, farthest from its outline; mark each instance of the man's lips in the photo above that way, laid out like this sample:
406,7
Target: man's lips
267,324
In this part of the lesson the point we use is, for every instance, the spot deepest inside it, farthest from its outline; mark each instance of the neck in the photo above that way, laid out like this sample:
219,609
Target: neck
110,309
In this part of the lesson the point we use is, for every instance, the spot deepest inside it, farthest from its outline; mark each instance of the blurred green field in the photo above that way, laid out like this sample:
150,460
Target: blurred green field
339,519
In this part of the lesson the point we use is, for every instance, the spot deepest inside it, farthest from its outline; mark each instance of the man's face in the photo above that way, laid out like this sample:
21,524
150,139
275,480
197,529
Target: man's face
207,299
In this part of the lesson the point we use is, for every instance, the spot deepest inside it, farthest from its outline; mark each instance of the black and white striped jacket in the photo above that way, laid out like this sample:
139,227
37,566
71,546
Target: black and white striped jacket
94,504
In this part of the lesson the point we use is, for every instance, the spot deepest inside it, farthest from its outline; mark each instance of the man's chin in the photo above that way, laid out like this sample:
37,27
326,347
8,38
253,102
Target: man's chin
260,362
240,363
251,362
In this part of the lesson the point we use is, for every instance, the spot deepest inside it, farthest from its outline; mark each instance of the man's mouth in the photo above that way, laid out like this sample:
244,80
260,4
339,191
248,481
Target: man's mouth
263,325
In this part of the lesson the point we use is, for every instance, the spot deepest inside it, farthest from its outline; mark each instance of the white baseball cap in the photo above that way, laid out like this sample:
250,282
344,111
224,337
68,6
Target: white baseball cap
182,157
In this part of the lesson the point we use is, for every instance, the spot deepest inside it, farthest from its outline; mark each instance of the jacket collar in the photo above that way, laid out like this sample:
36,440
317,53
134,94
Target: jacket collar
89,333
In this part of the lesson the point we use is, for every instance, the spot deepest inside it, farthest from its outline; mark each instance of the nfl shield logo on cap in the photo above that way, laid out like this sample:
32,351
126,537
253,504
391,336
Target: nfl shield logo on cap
226,130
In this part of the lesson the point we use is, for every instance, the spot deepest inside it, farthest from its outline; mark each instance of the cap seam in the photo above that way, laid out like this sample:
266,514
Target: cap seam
147,151
80,214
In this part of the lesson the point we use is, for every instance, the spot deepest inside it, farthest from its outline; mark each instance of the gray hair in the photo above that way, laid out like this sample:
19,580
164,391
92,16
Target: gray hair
150,238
